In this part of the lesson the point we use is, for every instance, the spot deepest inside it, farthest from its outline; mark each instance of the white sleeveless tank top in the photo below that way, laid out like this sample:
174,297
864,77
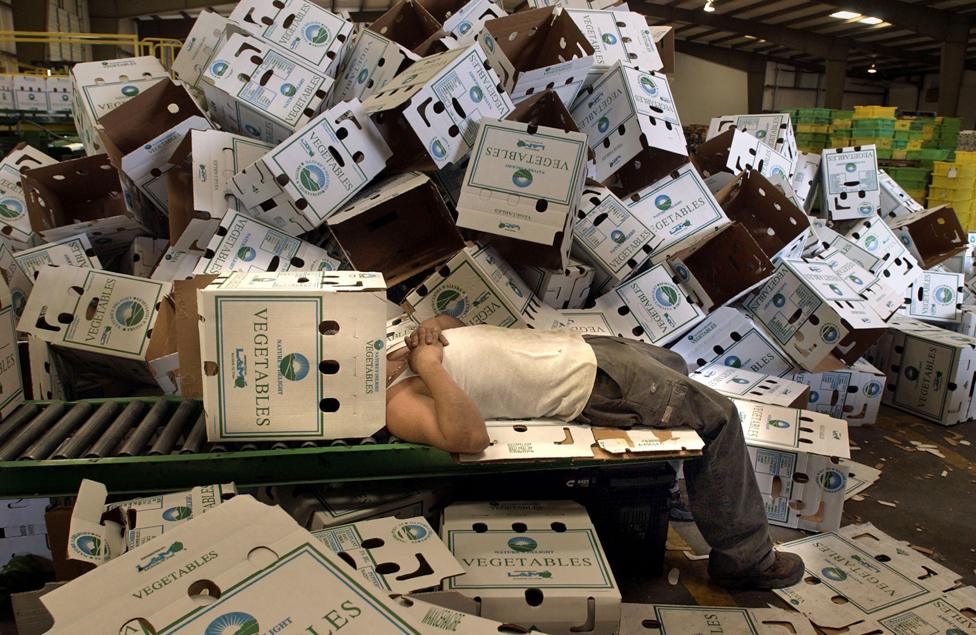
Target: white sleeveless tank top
521,373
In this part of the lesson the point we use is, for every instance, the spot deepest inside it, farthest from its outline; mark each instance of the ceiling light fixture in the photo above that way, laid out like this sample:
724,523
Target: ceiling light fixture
709,6
845,15
873,69
870,21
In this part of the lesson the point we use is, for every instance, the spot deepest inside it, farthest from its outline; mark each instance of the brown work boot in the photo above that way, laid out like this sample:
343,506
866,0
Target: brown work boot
786,570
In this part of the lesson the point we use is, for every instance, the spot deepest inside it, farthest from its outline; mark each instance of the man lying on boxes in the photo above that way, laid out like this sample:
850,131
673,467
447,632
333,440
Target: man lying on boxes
441,388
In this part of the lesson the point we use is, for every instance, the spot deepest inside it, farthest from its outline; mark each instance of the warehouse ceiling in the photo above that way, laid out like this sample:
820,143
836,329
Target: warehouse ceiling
900,37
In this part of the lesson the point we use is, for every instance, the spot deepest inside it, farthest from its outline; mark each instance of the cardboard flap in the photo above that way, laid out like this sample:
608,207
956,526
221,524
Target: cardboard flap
407,23
533,439
752,386
936,235
544,109
670,441
772,219
94,536
634,620
400,556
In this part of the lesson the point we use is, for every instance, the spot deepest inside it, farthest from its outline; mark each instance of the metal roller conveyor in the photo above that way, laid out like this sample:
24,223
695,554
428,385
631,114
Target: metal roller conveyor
15,421
51,439
116,432
174,428
145,430
195,439
90,431
31,432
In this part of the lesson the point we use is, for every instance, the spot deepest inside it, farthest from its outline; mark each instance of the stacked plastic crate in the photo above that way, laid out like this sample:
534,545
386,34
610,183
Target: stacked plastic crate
947,132
841,124
812,127
914,181
954,184
874,125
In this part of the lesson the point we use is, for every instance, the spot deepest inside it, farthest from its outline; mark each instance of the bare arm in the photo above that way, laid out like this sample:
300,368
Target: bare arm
430,330
446,418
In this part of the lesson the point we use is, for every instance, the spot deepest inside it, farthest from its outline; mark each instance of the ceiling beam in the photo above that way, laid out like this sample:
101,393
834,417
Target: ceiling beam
740,60
804,41
921,19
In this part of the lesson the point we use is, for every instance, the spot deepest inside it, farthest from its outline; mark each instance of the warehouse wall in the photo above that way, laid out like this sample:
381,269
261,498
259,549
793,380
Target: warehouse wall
703,90
906,96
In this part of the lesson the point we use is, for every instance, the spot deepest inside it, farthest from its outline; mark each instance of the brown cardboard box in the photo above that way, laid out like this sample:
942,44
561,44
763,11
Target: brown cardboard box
933,236
773,221
411,26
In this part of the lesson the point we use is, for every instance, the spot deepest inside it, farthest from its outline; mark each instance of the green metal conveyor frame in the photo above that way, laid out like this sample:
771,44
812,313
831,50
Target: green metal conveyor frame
266,466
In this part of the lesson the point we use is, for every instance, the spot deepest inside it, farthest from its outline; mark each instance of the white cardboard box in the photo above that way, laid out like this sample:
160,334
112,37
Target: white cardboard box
468,91
144,255
74,251
815,315
853,394
675,620
242,243
616,36
536,50
895,201
478,287
628,114
468,20
206,36
744,384
930,370
13,206
937,297
566,289
19,284
849,182
773,129
11,380
255,90
179,261
876,247
371,62
6,92
806,179
523,183
293,355
58,89
217,157
306,30
874,287
538,564
321,167
932,236
729,337
30,93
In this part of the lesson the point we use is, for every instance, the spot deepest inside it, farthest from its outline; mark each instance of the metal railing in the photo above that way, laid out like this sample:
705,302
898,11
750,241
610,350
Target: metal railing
130,44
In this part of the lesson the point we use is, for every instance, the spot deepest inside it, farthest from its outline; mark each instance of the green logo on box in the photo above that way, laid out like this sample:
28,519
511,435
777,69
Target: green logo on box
247,254
130,90
911,373
603,124
236,623
778,423
871,243
667,296
872,389
833,573
451,302
177,513
219,67
648,85
294,367
87,544
851,167
522,178
943,294
312,177
362,75
316,34
779,300
618,236
609,38
130,313
11,208
411,532
522,544
831,480
476,94
663,202
829,333
733,361
288,89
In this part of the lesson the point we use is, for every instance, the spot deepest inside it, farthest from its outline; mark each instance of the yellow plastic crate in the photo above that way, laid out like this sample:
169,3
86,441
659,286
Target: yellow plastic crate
918,195
903,124
842,124
813,128
874,112
899,155
954,170
881,144
953,183
915,145
963,156
945,194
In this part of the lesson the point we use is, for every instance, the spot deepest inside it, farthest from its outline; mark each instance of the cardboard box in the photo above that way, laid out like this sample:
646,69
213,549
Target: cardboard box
242,243
58,89
217,157
30,616
876,247
255,90
566,289
853,394
24,531
773,129
734,151
399,227
744,384
729,337
722,267
849,182
293,355
267,570
410,25
18,282
477,287
307,31
144,255
424,136
895,201
568,585
205,37
319,168
6,92
701,619
463,19
101,87
616,36
536,50
630,117
30,93
774,221
651,306
795,455
75,251
872,287
371,63
866,581
937,297
11,378
930,370
815,315
14,220
524,182
142,135
81,196
933,236
100,532
376,549
806,179
179,261
324,506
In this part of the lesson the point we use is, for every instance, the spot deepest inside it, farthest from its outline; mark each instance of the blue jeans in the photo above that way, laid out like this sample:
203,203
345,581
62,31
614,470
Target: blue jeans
640,384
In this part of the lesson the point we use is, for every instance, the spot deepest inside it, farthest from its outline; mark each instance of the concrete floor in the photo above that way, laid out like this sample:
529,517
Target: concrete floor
933,512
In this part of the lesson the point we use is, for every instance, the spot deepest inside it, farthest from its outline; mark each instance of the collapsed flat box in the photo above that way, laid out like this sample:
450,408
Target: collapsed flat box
262,571
478,287
295,355
533,564
566,289
729,337
933,236
324,506
462,89
853,394
795,455
673,619
849,182
81,196
936,296
524,181
536,50
744,384
14,219
399,227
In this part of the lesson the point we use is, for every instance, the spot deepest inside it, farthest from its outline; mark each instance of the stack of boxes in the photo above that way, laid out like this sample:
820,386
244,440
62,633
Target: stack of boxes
947,136
50,96
914,181
954,184
874,125
841,123
813,126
